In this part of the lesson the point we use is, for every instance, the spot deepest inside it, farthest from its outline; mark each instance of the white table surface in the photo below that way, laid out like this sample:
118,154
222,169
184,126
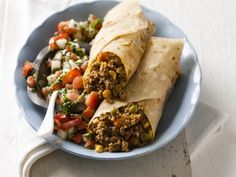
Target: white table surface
210,26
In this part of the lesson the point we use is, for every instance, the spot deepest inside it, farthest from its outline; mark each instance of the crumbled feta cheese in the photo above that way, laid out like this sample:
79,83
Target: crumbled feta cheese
73,65
76,45
58,56
51,78
55,64
85,57
63,52
66,67
83,24
61,43
72,24
91,17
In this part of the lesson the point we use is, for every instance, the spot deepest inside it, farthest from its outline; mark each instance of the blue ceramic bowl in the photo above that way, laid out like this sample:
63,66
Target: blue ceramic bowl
180,106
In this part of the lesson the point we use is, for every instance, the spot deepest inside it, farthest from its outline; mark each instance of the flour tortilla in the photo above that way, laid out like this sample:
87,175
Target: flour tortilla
125,33
153,80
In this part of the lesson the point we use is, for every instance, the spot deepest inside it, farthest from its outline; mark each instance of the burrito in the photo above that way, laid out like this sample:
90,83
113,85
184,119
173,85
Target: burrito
117,50
126,125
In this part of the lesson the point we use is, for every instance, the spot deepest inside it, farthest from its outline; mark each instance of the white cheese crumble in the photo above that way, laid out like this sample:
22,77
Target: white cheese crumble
61,43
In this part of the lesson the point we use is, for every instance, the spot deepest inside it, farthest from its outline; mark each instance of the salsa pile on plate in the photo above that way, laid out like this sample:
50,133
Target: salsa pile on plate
66,68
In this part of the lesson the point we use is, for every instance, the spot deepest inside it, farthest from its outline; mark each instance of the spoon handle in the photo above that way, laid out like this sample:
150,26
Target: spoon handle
47,125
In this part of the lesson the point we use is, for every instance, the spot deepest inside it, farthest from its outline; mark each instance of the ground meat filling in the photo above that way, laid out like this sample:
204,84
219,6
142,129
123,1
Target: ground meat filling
107,76
122,129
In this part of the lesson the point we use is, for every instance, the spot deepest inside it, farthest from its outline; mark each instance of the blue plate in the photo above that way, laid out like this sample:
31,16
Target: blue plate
180,106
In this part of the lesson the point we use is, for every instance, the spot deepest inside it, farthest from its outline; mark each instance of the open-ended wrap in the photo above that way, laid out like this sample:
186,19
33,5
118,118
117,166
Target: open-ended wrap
153,80
125,32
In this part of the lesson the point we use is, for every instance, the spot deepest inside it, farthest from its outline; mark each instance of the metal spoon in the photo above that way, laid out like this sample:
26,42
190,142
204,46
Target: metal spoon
41,71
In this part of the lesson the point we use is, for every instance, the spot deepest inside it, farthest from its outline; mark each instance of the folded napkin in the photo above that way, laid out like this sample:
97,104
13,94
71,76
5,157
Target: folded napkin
206,124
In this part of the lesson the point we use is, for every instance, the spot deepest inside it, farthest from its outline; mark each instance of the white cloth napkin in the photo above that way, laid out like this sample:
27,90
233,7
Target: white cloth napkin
206,124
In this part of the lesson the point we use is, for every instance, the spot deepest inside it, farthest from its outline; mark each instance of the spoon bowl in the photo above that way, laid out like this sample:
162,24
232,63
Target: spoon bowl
41,70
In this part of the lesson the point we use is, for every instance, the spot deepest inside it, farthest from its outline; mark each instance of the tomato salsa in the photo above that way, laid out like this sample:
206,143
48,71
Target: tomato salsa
66,69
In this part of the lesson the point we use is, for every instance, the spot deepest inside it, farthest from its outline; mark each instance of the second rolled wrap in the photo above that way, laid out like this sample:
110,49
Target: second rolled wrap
149,87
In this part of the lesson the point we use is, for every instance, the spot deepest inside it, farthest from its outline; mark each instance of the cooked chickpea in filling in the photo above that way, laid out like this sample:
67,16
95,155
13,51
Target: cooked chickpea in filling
107,76
122,129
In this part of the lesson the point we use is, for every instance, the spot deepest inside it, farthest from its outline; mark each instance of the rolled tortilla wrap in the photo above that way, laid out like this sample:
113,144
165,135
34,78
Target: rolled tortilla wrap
122,41
152,83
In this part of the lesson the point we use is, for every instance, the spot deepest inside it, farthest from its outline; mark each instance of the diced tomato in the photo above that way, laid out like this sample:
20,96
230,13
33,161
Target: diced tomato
72,95
56,86
53,46
95,21
78,83
68,48
69,77
77,138
81,124
69,86
84,66
61,25
69,124
57,123
98,26
102,56
60,36
90,144
92,100
61,117
28,66
63,28
74,123
88,113
31,81
73,56
52,41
